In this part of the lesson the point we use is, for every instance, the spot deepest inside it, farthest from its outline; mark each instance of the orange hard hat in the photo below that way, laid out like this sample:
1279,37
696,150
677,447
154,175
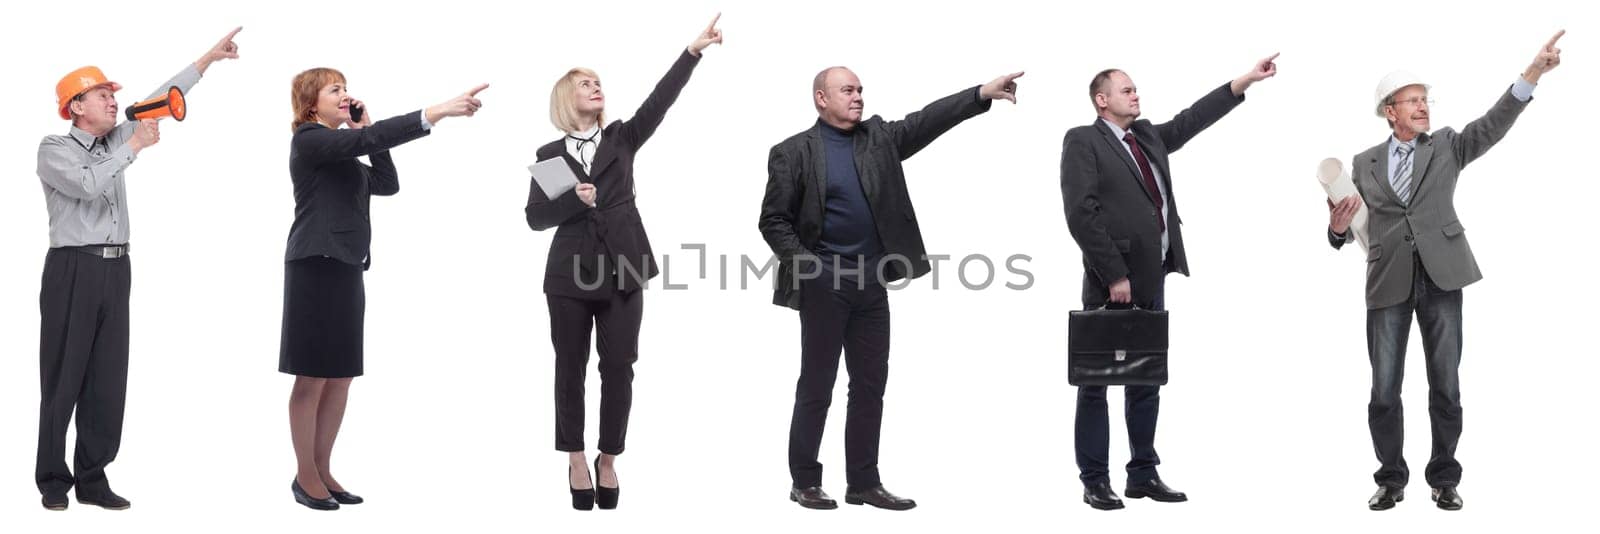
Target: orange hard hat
76,83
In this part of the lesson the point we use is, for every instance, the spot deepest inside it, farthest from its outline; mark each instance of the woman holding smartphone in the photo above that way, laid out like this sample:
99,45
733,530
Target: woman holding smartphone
324,299
599,261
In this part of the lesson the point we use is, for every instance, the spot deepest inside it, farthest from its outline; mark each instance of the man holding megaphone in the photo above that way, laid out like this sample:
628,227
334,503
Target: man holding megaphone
83,301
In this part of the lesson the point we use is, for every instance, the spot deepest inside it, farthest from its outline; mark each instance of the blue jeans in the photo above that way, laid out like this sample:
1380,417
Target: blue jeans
1439,316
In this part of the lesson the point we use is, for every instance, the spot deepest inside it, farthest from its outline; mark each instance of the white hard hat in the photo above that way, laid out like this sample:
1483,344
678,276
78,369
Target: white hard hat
1394,81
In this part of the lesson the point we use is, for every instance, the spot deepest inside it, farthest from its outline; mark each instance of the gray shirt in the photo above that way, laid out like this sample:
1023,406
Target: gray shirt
83,179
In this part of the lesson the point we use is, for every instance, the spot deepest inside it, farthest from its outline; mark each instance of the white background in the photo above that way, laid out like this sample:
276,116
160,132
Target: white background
1264,424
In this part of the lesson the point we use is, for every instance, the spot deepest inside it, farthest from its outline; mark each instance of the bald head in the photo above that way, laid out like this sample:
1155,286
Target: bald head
821,81
836,93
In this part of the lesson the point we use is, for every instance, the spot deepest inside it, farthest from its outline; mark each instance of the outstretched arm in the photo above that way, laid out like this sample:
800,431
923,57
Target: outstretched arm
1262,70
1482,133
643,124
920,128
224,49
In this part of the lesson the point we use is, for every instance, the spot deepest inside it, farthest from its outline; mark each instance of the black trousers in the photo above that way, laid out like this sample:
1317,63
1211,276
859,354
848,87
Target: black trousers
1092,425
857,321
83,364
1439,317
617,321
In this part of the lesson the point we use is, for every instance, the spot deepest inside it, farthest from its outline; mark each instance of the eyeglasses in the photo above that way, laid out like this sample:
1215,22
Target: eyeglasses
1414,101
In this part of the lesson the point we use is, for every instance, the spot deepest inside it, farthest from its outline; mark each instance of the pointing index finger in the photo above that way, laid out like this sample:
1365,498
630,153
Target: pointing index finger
474,91
1552,43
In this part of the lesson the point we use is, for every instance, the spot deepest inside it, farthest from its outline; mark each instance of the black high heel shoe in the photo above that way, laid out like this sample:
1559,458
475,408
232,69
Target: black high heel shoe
604,496
300,496
582,499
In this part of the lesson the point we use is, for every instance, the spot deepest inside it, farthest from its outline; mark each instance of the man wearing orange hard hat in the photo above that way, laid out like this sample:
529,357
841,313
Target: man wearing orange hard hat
1418,262
83,301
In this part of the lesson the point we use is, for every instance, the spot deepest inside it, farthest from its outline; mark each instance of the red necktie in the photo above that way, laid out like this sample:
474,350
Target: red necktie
1149,179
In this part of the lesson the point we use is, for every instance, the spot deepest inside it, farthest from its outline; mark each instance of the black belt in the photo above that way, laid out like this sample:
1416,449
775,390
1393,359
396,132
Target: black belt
104,251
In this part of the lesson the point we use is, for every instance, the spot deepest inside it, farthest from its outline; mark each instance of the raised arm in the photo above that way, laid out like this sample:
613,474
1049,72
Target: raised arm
638,129
319,144
224,49
1482,133
1213,106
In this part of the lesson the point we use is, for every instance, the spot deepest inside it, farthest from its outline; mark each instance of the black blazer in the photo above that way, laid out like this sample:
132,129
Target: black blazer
606,244
797,188
1110,212
332,187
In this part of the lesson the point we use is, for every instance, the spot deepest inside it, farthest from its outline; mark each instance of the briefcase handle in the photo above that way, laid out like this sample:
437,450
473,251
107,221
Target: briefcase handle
1107,306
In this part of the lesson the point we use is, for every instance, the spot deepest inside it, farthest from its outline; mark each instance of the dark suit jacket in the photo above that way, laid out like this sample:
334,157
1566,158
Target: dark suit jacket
605,245
332,188
1110,212
797,189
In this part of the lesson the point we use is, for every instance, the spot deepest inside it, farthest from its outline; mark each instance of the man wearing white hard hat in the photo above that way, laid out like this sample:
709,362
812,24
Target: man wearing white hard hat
83,298
1418,261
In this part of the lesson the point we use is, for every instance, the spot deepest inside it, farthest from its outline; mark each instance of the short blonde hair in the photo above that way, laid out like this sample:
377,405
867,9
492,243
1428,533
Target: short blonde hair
304,89
564,102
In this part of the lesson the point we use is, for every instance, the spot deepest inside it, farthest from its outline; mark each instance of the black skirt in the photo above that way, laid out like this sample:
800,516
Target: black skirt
324,308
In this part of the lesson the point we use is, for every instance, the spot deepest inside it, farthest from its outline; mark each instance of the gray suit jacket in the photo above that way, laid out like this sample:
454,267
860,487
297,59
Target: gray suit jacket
1427,227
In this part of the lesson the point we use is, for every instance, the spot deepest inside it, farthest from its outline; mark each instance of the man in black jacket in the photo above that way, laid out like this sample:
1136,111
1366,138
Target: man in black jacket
839,219
1116,187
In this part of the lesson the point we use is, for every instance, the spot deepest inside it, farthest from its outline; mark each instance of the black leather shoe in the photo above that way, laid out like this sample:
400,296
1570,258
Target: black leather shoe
55,501
1155,490
345,497
582,499
1385,498
1447,498
1100,497
300,496
813,498
104,499
604,497
879,497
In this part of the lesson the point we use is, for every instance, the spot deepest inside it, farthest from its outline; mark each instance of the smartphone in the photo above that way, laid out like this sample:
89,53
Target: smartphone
356,112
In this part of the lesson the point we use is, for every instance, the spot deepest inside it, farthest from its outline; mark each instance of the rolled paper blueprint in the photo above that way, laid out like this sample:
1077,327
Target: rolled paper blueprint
1336,182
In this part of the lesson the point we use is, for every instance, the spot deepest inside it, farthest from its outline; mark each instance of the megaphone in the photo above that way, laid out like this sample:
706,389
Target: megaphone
168,105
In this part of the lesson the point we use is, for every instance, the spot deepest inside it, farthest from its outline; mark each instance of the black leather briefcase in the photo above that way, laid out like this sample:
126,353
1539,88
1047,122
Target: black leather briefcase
1117,347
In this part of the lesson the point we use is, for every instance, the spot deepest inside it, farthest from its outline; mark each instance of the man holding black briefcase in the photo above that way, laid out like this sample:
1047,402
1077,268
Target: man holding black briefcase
1117,192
